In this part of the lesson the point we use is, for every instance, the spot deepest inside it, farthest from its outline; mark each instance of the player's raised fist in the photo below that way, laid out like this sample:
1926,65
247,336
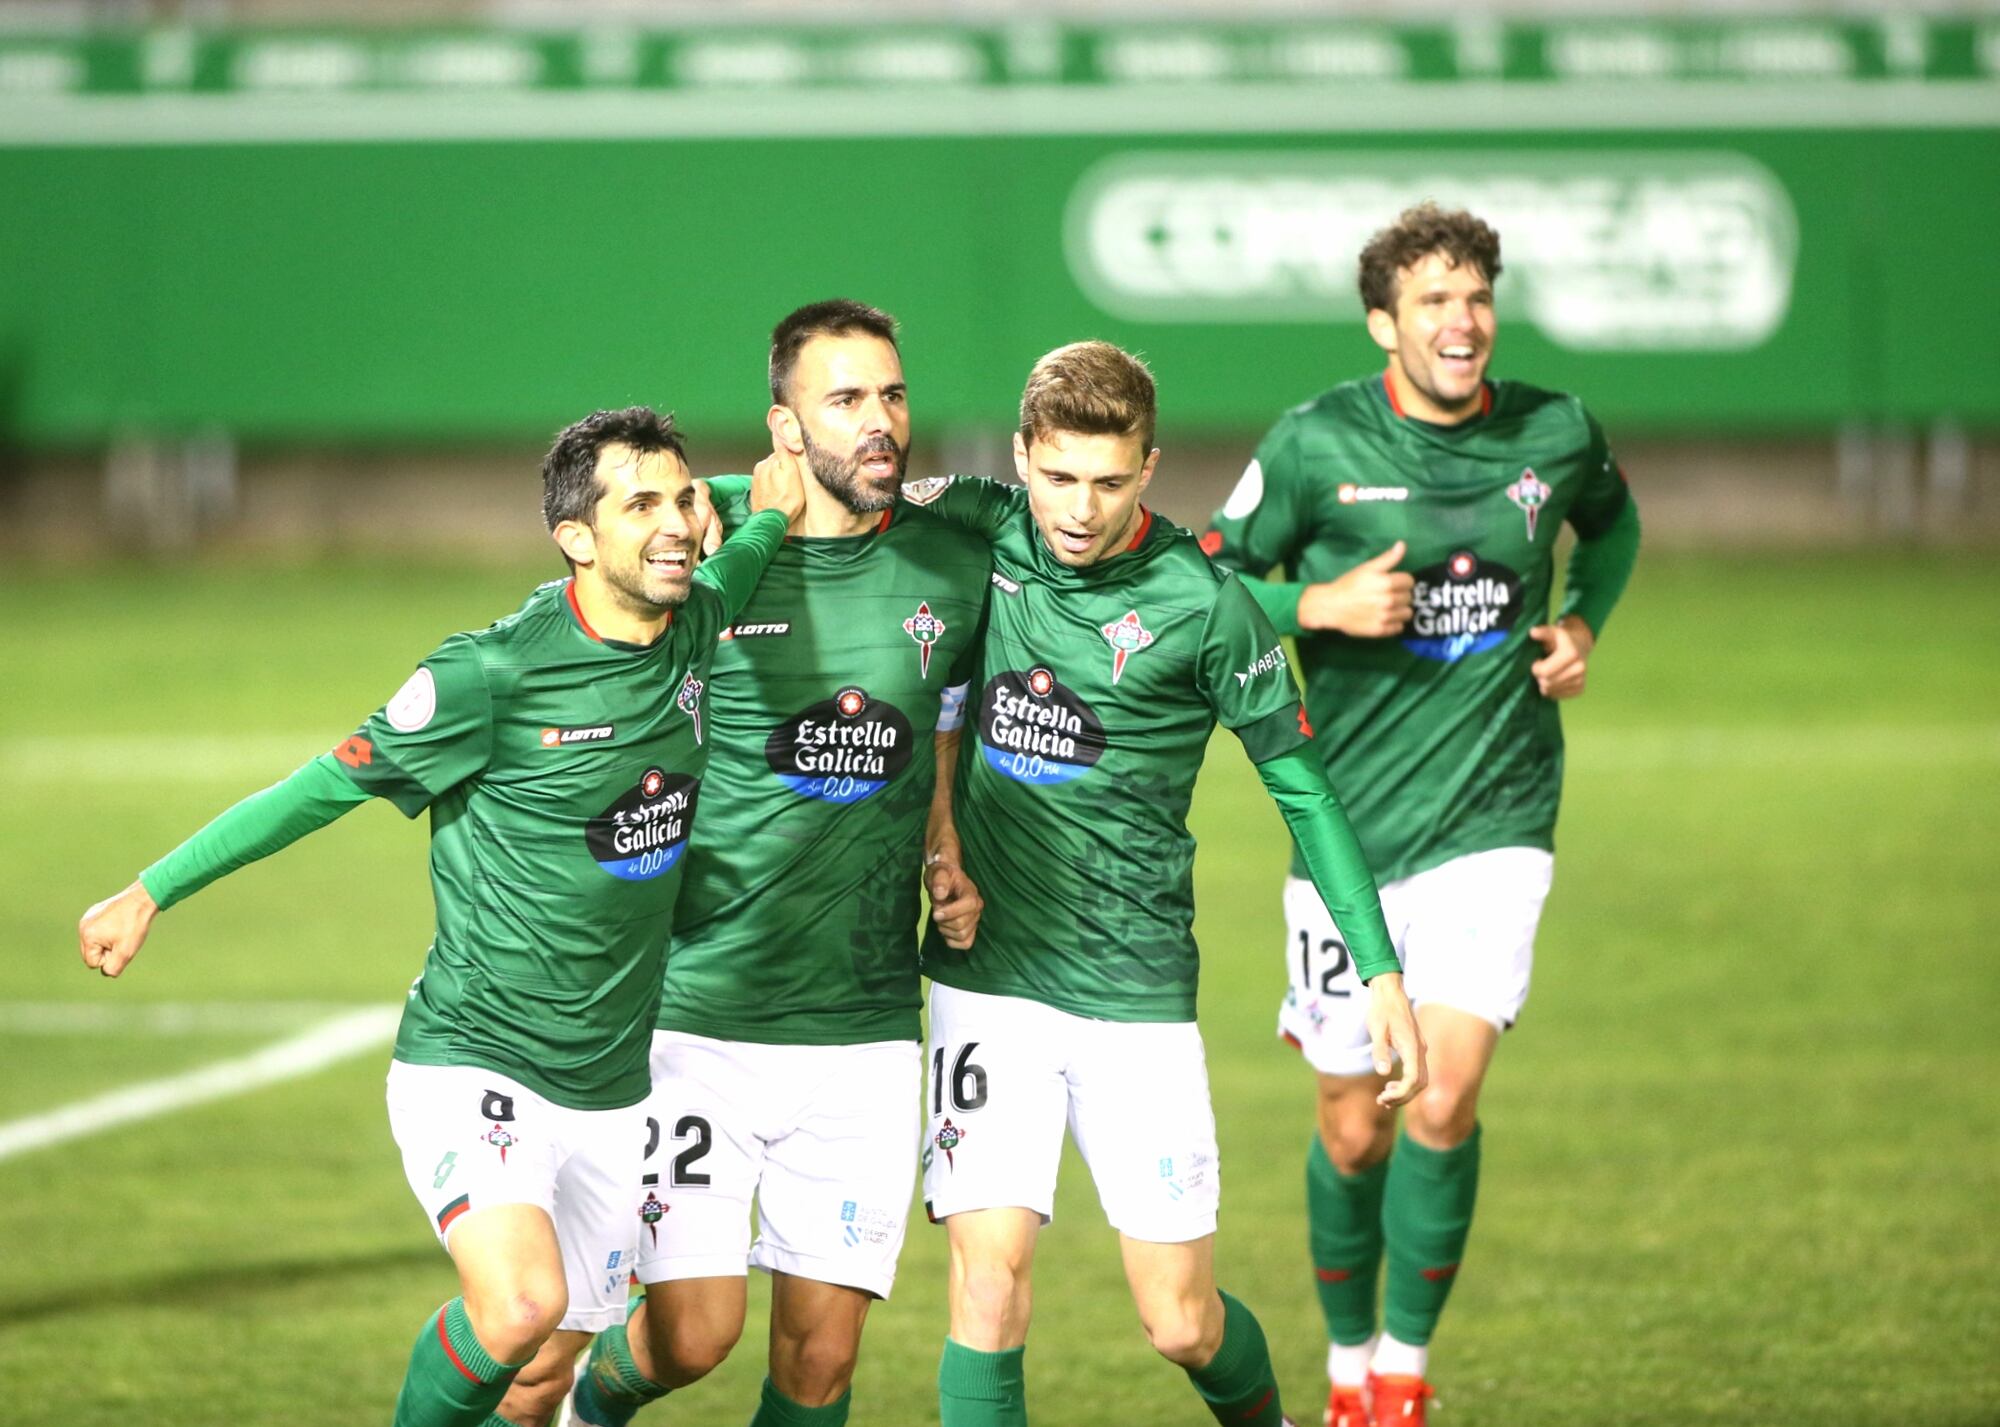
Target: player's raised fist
1370,601
112,932
778,483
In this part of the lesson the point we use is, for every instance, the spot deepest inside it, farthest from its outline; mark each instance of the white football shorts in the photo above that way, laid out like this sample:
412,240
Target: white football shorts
823,1137
1007,1074
471,1138
1465,931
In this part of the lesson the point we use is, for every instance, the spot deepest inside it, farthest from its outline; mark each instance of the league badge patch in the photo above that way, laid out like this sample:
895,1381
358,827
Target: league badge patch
1530,493
1126,637
688,701
924,627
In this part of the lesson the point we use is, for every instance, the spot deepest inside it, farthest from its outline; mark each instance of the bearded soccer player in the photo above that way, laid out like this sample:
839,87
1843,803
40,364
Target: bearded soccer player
561,753
1415,514
1113,648
786,1066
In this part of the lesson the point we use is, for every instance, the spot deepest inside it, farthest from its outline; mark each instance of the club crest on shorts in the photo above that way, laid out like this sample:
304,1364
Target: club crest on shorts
924,627
501,1138
1530,493
947,1139
650,1214
688,701
1126,637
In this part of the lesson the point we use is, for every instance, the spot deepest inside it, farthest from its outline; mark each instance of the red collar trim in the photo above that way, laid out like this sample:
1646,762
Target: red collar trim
1139,536
1389,390
569,591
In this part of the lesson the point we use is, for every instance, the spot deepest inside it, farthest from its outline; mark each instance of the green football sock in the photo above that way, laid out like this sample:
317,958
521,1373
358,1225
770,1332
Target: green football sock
978,1389
1238,1383
1344,1223
1426,1216
612,1388
777,1410
452,1380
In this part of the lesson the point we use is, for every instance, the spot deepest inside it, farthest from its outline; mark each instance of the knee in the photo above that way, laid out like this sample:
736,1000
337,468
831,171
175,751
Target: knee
1356,1137
535,1397
1444,1116
816,1369
1185,1331
686,1347
991,1297
511,1323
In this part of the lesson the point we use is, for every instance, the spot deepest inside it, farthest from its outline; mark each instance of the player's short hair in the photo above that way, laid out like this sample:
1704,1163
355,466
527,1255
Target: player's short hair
1415,235
570,488
836,317
1092,389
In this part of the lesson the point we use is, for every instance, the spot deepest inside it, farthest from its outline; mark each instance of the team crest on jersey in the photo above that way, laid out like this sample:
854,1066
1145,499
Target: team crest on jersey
1126,637
948,1138
688,701
650,1214
502,1139
1530,493
925,628
842,749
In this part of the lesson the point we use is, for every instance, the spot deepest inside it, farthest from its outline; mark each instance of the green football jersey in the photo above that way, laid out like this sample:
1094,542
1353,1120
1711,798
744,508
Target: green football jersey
562,773
1098,691
798,919
1437,740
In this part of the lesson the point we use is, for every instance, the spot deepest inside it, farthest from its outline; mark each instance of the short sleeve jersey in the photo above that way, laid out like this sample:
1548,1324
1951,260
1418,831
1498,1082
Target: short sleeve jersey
798,920
562,773
1098,691
1436,740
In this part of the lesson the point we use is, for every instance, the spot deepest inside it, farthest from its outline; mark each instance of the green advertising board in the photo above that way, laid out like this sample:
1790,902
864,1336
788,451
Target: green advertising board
1710,226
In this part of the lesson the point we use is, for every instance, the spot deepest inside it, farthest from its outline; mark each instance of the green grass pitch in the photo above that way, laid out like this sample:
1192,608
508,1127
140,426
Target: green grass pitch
1743,1151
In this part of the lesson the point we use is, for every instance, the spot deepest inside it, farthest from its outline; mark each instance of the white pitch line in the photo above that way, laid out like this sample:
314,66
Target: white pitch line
299,1055
162,1018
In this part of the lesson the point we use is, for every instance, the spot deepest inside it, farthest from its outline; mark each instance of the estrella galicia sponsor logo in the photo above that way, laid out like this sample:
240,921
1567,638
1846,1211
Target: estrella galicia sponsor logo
645,832
1463,606
842,749
564,737
1036,731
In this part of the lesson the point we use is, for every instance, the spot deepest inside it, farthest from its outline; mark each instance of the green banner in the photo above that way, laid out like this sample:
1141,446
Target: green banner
1766,225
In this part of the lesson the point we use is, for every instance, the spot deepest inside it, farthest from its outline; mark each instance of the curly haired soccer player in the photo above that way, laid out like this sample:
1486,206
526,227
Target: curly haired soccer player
1415,513
1113,648
560,754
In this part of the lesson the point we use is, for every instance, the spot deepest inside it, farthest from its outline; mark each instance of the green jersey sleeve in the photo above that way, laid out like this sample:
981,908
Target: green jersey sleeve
263,823
734,570
729,497
986,508
1244,675
1606,520
433,734
1266,522
1333,857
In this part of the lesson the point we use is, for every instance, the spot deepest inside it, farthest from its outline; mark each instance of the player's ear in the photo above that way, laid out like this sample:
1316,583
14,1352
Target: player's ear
786,432
1146,471
1021,456
577,541
1382,327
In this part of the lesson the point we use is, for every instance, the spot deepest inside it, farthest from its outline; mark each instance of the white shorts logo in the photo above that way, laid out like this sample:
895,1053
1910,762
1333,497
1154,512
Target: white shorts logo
414,703
1249,492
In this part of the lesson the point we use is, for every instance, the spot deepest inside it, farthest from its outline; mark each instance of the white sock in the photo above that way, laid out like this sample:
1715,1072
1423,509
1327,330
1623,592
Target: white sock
1394,1359
1348,1366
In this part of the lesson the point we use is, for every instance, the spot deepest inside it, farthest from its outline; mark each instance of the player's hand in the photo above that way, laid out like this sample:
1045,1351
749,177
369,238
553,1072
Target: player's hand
955,902
778,483
1566,647
1370,601
705,518
1392,1025
112,932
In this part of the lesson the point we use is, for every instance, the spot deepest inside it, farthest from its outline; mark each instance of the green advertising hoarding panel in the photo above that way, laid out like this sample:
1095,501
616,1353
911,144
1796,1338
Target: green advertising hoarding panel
464,235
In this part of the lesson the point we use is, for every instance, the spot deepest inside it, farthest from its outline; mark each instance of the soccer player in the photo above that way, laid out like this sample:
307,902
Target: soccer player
560,752
1112,649
1416,514
786,1065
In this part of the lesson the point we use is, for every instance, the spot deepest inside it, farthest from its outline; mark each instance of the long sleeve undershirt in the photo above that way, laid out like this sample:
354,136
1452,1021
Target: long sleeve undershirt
1297,783
1598,569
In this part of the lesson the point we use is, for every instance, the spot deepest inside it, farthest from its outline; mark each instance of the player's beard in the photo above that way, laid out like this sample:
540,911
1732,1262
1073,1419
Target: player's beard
842,477
647,595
